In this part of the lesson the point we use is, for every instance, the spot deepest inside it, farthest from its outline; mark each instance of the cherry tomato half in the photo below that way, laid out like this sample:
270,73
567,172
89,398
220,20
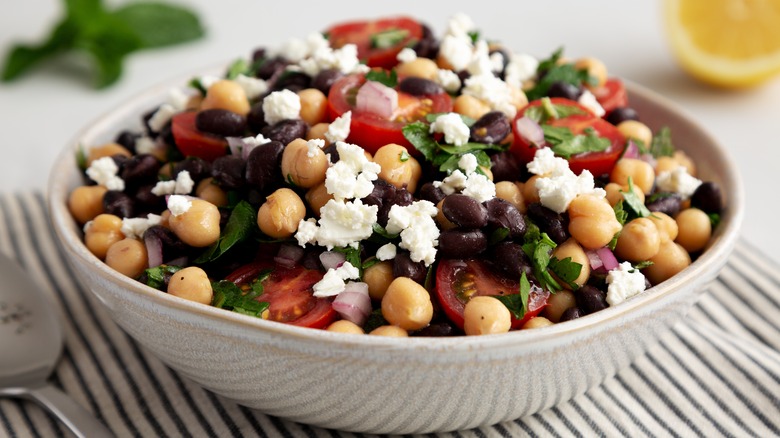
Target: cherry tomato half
371,131
194,143
598,163
378,42
611,95
289,294
459,280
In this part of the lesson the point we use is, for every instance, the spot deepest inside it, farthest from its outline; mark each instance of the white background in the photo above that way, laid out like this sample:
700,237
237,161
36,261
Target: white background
41,112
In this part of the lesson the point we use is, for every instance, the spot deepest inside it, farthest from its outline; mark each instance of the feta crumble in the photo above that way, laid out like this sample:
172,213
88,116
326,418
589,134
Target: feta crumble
457,51
386,252
588,100
419,233
338,130
492,90
134,228
449,80
455,131
558,185
145,145
678,181
253,87
177,102
182,185
472,183
345,59
178,205
314,145
521,67
345,223
624,282
407,54
104,172
307,231
353,175
281,105
333,282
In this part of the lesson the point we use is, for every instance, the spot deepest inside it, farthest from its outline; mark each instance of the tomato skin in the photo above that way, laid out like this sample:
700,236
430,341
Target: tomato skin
451,273
611,95
289,294
369,130
194,143
598,163
360,32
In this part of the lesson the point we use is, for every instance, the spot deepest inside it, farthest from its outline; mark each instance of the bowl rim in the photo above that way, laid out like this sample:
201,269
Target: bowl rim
715,256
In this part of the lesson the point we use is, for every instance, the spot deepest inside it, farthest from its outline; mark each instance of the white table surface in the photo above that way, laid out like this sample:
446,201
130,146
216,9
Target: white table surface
42,111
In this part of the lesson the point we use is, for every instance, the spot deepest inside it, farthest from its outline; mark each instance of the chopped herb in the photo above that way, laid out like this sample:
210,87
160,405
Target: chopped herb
404,156
636,208
445,156
517,303
620,213
155,277
384,77
371,261
474,35
539,252
548,110
381,231
643,265
81,157
714,219
197,84
351,255
418,135
565,144
661,145
468,121
227,295
498,235
613,243
550,71
388,38
566,270
375,319
658,195
238,67
240,224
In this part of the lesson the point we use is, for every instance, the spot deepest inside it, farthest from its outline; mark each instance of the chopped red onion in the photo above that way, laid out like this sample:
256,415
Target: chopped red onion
154,249
353,305
289,255
632,150
530,131
376,98
649,159
332,259
602,260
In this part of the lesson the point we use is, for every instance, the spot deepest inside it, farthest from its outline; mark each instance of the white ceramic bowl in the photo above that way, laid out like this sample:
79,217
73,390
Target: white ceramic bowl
391,385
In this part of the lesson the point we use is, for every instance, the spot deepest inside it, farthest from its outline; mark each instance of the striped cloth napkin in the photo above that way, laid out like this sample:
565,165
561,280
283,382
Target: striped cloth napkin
715,374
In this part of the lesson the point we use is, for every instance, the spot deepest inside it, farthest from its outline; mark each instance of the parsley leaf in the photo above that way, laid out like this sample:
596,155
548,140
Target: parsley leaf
714,219
240,224
636,208
388,38
382,232
565,144
550,71
351,255
155,277
643,265
238,67
539,249
445,156
227,295
517,303
468,121
548,110
384,77
662,146
620,213
418,135
374,320
566,270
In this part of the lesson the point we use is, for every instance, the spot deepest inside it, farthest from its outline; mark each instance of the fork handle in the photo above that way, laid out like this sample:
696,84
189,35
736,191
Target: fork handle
82,423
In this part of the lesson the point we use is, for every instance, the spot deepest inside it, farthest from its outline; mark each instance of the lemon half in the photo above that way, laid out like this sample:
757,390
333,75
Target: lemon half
727,43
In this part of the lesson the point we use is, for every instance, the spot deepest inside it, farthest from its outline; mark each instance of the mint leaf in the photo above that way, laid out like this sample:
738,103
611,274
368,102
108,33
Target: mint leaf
662,146
384,77
240,224
24,57
158,24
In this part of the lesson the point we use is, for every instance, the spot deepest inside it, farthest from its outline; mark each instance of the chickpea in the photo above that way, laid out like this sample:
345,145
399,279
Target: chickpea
510,192
228,95
280,214
317,197
86,202
106,150
486,315
198,226
314,105
470,106
640,172
192,284
398,171
407,304
344,326
665,164
639,240
694,229
636,130
570,248
667,227
615,193
303,166
211,192
558,303
530,192
128,257
671,259
378,277
391,331
684,160
537,322
105,230
592,221
595,68
420,67
668,164
165,219
317,131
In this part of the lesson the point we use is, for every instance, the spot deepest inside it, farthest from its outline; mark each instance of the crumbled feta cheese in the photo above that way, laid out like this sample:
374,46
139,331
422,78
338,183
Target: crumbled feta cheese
345,223
546,163
449,80
468,162
491,90
104,172
314,145
455,131
558,185
253,87
207,81
178,205
333,282
624,282
521,67
452,183
134,228
307,232
479,187
255,141
344,59
177,102
677,181
419,233
353,175
407,54
472,183
338,130
281,105
457,51
182,185
145,145
294,50
386,252
460,24
480,60
497,62
588,100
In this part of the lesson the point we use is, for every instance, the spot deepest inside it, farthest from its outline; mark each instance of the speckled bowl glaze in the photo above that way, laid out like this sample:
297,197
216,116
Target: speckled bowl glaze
395,385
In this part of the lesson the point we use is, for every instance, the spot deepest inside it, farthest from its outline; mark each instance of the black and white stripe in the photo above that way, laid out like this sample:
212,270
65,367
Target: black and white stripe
715,374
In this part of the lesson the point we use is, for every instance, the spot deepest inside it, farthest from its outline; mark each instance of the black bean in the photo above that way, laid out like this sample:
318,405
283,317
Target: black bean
502,214
120,161
259,54
504,58
221,122
286,131
146,201
404,266
166,134
197,167
621,114
292,80
145,120
429,192
506,167
325,79
382,196
271,67
400,197
461,244
555,225
571,313
140,169
228,172
127,140
419,86
263,165
669,203
118,204
437,329
333,151
565,90
590,299
492,127
464,211
510,258
428,45
172,246
707,197
255,120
